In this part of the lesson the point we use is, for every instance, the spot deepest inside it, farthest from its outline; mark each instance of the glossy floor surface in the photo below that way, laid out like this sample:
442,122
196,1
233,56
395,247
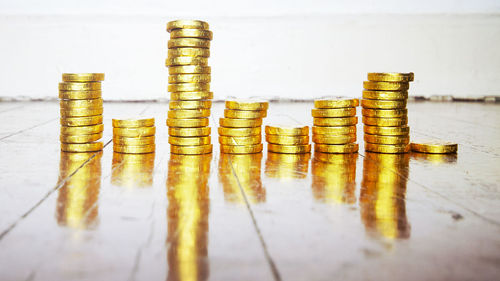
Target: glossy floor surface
266,216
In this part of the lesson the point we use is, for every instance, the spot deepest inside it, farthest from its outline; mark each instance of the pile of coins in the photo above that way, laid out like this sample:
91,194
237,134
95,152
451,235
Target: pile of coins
81,112
385,116
334,129
293,140
189,87
240,131
134,135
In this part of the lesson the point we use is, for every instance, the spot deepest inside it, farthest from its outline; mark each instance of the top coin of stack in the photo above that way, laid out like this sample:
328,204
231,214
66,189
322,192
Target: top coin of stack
385,116
284,139
334,129
81,112
134,135
189,87
240,129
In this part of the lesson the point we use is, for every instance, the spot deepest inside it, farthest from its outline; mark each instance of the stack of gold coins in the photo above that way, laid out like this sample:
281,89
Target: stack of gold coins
189,87
385,116
240,130
292,140
134,135
334,129
81,112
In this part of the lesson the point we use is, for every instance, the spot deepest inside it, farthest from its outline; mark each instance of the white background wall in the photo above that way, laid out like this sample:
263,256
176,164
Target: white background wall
287,49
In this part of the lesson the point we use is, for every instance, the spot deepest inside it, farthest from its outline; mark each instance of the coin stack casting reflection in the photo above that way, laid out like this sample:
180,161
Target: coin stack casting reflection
291,140
134,135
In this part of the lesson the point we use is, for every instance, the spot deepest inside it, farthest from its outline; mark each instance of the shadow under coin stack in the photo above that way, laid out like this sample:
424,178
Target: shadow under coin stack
189,87
240,130
293,140
134,135
81,112
334,129
385,116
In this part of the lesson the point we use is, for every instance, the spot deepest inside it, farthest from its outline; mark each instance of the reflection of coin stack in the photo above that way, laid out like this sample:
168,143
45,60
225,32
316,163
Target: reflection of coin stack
81,112
240,130
334,129
133,170
287,166
385,116
189,85
292,140
134,135
334,177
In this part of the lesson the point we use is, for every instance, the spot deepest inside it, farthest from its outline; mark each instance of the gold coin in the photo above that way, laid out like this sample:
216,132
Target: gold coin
241,149
189,140
287,130
228,140
336,139
80,112
244,114
249,104
134,132
437,147
79,86
189,42
287,140
385,95
240,123
191,95
387,139
339,121
339,130
188,123
189,87
189,52
386,86
195,149
191,33
292,149
385,122
387,131
138,141
82,147
337,148
176,61
82,77
188,113
390,113
189,132
80,95
81,103
334,112
133,123
80,138
189,78
81,121
83,130
189,69
134,149
383,104
239,132
190,104
390,76
387,148
336,103
188,24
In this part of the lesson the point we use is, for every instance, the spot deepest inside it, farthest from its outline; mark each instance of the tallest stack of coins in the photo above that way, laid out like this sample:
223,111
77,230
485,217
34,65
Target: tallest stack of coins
189,87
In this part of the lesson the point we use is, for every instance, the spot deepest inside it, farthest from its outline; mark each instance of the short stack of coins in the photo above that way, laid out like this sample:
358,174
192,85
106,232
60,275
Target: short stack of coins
240,131
385,116
334,129
81,112
189,87
134,135
290,140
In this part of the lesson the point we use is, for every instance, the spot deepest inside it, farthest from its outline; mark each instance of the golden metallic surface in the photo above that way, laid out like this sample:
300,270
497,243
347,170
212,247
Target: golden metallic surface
188,42
287,140
189,52
383,104
385,95
80,112
134,149
336,148
133,141
176,61
189,69
386,86
81,147
228,140
391,76
244,114
191,33
241,149
81,121
191,96
80,138
385,122
195,149
387,131
336,103
333,112
240,123
389,113
80,95
334,139
289,149
83,103
133,170
133,123
387,148
187,24
190,104
189,78
187,123
248,104
82,77
79,86
287,166
134,132
339,121
239,132
339,130
437,147
189,87
189,140
433,158
287,130
189,132
378,139
82,130
188,113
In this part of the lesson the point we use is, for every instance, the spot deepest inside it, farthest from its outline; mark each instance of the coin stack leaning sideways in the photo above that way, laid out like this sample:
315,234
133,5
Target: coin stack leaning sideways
240,131
189,87
134,135
81,112
284,139
385,116
334,129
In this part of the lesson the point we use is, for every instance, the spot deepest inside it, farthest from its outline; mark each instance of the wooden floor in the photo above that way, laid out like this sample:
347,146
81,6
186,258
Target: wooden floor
265,216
